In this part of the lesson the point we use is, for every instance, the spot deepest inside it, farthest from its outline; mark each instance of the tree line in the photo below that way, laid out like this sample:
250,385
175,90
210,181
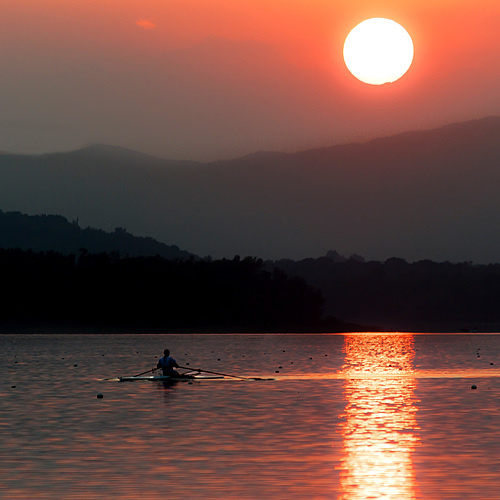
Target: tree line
246,294
154,292
418,296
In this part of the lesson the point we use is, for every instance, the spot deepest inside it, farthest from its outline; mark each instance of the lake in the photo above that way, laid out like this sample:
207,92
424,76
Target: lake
355,416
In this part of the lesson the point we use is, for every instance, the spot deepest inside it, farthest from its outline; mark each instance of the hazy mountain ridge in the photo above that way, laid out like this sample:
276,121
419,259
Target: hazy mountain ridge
427,194
42,233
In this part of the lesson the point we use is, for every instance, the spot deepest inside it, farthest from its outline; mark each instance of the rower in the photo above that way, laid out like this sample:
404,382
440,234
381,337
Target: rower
167,364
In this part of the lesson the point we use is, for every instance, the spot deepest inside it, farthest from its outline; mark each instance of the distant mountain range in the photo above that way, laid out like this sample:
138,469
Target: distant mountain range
42,233
418,195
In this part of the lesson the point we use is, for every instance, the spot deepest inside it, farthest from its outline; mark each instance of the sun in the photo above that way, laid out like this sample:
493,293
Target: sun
378,51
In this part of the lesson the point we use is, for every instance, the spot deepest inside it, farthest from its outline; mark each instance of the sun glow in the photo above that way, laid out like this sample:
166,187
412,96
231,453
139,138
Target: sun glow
378,51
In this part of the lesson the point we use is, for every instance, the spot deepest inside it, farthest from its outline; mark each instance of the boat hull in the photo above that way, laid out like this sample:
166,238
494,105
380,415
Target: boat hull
165,378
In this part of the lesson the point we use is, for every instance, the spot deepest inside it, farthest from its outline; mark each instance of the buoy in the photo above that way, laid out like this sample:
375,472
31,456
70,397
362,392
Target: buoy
100,396
473,386
280,367
190,383
491,363
13,386
75,365
277,371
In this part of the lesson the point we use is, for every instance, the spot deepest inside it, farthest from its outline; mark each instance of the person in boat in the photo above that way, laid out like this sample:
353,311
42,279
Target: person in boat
167,364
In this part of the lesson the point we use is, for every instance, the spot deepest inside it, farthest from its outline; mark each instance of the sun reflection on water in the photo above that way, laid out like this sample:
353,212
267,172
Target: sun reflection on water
379,427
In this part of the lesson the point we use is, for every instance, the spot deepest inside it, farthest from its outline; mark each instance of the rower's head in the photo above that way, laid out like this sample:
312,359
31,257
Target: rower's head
166,352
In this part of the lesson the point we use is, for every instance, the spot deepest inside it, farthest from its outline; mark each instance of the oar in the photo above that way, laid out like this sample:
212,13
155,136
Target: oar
218,373
143,373
138,375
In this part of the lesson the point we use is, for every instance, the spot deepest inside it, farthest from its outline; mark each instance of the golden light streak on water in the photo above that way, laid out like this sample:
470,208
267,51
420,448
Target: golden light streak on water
379,427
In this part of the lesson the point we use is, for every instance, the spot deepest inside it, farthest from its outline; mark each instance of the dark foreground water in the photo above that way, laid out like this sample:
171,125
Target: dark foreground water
389,416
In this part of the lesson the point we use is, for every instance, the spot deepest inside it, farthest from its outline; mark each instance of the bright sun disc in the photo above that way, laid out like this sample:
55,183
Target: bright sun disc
378,51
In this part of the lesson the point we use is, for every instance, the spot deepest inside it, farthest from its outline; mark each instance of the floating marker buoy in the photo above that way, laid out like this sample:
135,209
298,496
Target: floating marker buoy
473,386
100,396
190,383
277,371
75,365
280,367
13,387
187,363
491,363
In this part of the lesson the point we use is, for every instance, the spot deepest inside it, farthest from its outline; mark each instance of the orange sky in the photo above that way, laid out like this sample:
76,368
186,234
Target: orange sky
206,79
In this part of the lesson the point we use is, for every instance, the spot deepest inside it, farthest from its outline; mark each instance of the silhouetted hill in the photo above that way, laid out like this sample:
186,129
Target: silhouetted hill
55,233
418,195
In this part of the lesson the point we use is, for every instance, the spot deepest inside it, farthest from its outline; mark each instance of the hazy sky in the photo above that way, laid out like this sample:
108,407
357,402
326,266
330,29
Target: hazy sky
209,79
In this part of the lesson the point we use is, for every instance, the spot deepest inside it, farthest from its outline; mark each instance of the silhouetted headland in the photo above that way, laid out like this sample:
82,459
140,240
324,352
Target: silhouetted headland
106,291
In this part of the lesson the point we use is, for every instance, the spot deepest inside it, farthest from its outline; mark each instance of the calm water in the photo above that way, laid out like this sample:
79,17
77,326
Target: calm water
348,417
